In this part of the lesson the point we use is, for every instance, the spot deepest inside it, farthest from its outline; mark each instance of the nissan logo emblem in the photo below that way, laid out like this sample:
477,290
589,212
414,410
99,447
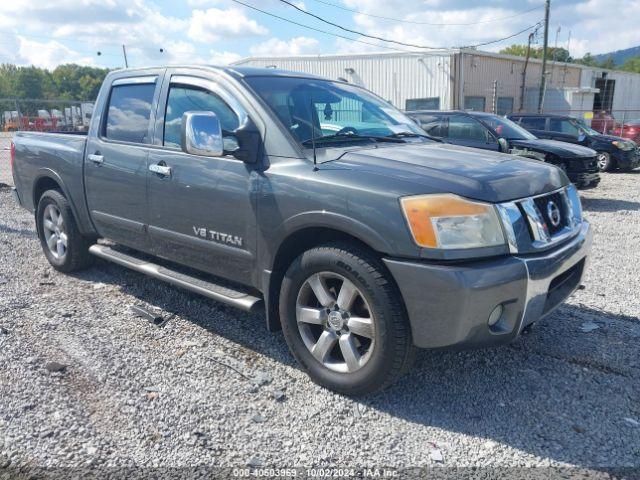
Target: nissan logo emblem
554,213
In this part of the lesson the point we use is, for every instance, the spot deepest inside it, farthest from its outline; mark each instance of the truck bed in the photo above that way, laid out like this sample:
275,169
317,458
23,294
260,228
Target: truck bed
43,155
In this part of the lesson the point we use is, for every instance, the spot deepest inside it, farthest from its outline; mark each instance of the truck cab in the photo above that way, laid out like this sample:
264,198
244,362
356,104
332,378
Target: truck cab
314,200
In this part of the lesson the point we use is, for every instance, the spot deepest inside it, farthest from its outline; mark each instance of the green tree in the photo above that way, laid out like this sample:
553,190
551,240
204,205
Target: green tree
631,65
587,60
559,54
71,82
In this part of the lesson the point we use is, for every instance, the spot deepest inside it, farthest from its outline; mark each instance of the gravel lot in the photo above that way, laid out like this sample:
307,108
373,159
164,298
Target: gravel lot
213,388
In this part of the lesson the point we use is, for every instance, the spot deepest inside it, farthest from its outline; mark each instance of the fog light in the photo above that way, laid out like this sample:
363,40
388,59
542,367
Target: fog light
495,315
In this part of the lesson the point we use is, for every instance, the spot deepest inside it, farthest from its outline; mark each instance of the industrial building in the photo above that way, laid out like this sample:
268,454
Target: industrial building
473,79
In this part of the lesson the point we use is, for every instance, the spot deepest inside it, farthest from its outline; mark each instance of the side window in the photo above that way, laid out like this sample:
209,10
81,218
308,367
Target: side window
533,123
183,98
129,113
563,126
432,124
462,127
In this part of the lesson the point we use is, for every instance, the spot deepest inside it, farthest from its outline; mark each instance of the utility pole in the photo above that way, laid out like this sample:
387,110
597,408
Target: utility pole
124,52
524,73
547,7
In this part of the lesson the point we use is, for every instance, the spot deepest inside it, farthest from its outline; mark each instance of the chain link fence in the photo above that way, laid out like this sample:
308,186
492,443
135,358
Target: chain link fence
40,115
5,168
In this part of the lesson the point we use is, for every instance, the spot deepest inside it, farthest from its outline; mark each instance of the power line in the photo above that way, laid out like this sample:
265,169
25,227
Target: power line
317,17
313,28
531,27
396,41
524,12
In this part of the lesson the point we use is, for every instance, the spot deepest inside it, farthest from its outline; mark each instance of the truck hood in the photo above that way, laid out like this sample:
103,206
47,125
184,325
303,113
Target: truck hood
469,172
561,149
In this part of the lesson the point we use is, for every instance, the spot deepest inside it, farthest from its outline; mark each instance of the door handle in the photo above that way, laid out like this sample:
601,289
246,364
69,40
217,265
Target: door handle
160,169
95,158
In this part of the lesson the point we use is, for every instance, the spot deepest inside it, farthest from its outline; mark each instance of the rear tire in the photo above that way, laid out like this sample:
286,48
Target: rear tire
66,249
365,332
605,163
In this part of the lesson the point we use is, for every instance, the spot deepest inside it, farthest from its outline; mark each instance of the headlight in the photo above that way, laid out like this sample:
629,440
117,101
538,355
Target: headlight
448,221
622,145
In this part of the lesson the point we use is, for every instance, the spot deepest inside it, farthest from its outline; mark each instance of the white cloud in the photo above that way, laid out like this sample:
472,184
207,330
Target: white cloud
47,54
295,46
591,23
214,24
223,58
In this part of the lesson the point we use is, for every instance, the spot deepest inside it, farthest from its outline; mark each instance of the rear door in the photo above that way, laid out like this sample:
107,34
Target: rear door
466,131
564,130
536,125
202,213
116,160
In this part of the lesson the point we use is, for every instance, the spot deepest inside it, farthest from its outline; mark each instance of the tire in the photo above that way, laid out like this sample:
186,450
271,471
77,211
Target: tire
56,226
605,163
376,326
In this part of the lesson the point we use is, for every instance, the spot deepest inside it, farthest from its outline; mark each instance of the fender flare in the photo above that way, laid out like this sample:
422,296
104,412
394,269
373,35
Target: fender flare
46,172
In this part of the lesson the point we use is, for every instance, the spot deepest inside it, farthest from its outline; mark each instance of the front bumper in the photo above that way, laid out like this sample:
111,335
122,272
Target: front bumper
626,159
449,305
584,179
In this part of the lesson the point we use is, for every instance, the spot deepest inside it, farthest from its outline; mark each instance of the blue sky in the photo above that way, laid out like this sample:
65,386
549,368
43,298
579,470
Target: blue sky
221,31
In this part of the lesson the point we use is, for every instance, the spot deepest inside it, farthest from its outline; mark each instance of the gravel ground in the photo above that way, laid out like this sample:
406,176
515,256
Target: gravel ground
5,173
211,387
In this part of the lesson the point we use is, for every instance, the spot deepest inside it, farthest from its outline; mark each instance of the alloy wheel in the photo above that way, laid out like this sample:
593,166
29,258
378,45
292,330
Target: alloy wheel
335,322
603,161
55,234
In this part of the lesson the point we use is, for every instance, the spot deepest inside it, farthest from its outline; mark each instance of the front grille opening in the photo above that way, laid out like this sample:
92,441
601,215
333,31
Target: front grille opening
562,286
543,204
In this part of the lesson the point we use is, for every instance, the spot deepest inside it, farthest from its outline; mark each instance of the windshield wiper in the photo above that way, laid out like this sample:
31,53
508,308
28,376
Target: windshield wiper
413,135
349,136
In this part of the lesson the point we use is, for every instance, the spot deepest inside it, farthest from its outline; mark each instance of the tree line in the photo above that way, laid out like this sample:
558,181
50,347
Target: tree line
562,55
65,82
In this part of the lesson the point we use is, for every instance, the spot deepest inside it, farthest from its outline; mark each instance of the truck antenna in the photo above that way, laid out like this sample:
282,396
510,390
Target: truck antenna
313,134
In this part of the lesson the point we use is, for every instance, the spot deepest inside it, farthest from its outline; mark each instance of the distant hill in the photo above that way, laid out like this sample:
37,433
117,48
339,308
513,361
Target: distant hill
619,56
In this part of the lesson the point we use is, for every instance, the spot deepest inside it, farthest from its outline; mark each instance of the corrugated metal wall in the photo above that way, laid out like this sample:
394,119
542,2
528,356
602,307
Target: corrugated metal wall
626,96
450,76
481,70
395,77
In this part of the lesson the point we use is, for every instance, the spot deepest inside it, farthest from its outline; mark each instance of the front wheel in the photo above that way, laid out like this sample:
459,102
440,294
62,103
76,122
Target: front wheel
344,321
63,244
605,163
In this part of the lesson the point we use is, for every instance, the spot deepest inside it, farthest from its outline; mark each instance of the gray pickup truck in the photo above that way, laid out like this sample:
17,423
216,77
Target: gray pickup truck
315,200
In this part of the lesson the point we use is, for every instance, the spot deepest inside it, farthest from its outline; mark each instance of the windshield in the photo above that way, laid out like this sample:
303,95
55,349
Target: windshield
331,112
584,127
505,128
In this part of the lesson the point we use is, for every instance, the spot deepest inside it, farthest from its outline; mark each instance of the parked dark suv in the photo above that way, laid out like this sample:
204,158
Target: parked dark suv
492,132
613,152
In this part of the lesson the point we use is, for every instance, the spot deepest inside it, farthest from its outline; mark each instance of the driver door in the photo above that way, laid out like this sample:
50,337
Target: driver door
202,212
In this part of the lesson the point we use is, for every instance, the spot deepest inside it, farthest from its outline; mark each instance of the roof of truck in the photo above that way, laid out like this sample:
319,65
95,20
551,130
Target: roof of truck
232,70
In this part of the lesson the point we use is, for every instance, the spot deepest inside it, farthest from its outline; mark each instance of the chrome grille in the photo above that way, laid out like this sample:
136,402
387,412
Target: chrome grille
553,210
538,223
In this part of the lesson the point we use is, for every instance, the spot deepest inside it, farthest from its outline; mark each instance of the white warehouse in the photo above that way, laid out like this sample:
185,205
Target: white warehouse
472,79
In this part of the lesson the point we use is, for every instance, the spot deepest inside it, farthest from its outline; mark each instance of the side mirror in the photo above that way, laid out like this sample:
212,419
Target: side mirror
202,134
581,137
504,145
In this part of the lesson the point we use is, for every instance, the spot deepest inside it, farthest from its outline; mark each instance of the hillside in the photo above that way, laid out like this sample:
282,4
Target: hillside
619,56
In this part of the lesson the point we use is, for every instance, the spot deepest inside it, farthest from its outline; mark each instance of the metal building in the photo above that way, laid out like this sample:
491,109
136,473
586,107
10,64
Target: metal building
473,79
